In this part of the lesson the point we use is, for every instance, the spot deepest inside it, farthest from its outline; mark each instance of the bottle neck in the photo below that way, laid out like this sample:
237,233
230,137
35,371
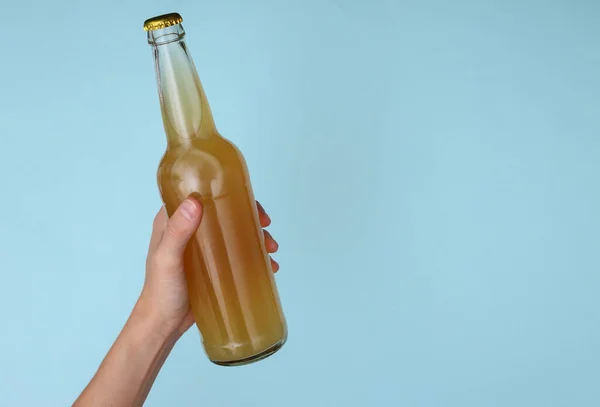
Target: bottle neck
185,111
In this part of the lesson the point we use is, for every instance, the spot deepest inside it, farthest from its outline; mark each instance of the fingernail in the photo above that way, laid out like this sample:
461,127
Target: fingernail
188,209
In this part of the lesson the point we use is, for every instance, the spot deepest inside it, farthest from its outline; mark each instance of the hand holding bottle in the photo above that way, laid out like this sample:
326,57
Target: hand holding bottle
165,295
161,315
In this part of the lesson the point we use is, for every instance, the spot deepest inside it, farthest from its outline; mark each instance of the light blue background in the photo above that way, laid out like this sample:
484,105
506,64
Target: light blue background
431,168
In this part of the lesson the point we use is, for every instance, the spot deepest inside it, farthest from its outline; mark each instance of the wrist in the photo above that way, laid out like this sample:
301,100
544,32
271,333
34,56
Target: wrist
148,316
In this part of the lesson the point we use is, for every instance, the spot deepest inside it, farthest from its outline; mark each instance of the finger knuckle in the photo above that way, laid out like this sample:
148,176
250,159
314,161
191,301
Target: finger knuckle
172,231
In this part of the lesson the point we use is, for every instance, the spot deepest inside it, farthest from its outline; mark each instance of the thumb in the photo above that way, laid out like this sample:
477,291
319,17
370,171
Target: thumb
179,229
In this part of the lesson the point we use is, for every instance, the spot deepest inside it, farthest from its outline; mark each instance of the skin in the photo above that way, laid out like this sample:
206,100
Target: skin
160,316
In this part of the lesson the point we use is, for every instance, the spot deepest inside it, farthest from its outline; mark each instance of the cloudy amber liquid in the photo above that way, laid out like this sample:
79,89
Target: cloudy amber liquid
231,285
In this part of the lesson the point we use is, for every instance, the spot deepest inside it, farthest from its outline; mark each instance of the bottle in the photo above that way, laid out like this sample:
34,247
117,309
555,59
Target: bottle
231,286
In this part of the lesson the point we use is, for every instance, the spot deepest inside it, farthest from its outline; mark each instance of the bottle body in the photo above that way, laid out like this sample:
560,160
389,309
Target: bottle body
231,286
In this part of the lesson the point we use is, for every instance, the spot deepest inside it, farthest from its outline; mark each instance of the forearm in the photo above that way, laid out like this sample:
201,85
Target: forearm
131,366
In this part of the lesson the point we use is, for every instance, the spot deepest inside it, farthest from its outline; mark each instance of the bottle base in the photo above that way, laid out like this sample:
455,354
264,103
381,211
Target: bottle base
251,359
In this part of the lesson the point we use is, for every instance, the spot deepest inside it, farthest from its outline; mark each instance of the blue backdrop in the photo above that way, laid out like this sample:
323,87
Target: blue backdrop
431,168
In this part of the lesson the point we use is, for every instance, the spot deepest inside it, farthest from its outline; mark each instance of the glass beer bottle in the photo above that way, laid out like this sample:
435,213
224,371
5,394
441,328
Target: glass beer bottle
231,286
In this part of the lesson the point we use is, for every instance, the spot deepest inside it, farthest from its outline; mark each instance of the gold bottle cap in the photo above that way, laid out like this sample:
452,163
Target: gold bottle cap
163,21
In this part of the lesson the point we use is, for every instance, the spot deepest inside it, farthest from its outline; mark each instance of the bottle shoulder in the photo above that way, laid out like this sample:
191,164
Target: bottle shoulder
209,167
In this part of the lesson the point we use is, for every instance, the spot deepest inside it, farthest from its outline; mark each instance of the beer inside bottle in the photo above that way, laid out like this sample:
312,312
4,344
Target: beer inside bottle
230,282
